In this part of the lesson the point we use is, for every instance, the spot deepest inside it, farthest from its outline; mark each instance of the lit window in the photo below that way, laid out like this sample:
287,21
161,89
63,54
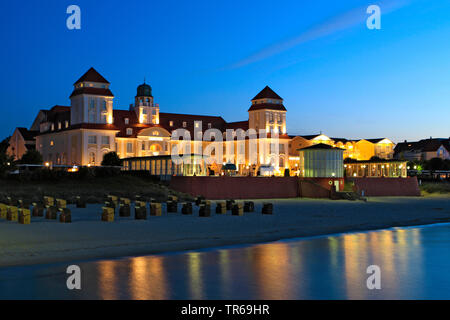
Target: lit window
59,125
51,143
184,124
53,127
66,124
155,133
127,121
209,125
92,139
129,131
171,123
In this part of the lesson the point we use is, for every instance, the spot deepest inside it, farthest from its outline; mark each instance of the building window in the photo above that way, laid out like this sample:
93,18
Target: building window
51,143
171,123
105,140
127,121
155,133
104,109
66,124
59,125
209,125
129,131
91,110
184,124
143,146
129,147
92,139
53,127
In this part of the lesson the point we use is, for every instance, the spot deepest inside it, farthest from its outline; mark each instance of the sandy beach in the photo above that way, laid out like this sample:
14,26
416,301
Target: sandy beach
46,241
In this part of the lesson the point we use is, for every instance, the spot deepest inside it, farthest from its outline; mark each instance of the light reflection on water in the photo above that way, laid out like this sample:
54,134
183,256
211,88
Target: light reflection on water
414,263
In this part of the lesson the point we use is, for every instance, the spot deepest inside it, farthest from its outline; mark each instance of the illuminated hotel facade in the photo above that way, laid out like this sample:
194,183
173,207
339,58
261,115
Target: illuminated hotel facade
80,134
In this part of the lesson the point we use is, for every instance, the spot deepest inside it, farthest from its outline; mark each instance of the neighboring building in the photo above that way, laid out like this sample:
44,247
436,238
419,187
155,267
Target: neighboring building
80,134
425,149
362,149
20,142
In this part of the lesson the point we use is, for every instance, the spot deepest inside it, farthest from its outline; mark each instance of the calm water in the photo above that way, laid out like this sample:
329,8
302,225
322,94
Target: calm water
415,264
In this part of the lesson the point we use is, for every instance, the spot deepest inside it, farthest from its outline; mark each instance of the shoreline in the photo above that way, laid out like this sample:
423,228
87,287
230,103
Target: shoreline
88,239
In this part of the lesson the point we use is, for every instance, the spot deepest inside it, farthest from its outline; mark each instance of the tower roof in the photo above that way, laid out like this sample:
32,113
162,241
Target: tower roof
267,93
92,76
144,90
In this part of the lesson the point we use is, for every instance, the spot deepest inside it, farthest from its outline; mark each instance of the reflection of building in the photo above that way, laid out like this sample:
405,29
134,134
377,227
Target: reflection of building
423,150
80,134
376,168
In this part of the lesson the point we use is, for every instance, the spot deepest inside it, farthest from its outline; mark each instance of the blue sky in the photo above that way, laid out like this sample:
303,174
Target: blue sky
212,57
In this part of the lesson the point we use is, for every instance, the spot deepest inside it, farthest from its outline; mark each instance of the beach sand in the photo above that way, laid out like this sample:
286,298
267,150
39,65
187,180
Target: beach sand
46,241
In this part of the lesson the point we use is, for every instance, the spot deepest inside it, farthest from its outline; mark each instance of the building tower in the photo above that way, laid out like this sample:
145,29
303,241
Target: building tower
91,100
146,111
267,112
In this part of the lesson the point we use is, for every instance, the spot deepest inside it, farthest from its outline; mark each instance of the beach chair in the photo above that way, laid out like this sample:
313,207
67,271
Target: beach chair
230,203
199,200
61,203
12,213
221,207
80,203
24,204
238,209
172,206
125,201
113,200
186,208
205,210
172,198
124,209
3,211
267,208
51,212
38,210
49,201
107,214
65,215
11,202
24,216
140,210
249,206
156,209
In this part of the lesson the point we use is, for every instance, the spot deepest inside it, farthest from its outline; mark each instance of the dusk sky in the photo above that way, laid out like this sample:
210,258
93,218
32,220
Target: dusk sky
212,57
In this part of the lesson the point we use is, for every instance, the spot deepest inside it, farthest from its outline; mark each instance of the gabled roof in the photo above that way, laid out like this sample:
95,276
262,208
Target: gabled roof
375,141
426,145
267,93
92,76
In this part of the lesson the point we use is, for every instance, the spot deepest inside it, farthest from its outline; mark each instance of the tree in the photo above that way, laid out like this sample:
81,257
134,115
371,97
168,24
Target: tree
31,157
435,164
375,158
111,159
4,145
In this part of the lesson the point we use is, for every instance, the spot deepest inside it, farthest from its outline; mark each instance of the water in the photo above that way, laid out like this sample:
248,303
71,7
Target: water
414,262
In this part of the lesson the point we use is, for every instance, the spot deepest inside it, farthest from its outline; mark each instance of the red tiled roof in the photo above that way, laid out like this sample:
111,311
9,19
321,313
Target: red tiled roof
92,76
270,106
93,91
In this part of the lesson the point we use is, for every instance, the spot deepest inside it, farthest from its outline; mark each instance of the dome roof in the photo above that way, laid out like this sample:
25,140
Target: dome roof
144,90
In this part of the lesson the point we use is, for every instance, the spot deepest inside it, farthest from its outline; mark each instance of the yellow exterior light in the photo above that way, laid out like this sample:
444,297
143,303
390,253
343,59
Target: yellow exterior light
47,164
